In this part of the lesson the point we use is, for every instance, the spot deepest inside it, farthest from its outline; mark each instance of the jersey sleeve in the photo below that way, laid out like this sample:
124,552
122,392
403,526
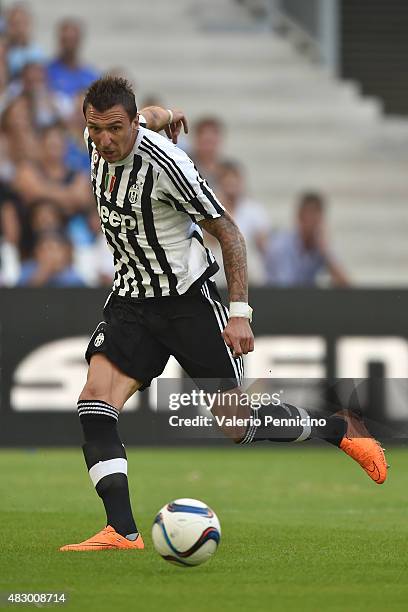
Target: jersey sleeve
142,120
181,185
88,142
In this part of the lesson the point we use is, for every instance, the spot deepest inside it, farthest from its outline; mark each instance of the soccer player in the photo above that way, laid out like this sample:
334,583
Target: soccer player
153,205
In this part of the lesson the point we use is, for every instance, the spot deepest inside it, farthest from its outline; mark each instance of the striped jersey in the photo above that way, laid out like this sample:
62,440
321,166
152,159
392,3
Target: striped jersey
149,206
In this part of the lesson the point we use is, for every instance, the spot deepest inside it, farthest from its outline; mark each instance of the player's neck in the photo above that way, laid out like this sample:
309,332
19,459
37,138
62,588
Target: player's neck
131,145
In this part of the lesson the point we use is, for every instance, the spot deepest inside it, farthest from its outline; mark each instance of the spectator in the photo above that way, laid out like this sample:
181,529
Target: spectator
10,237
6,165
51,265
20,49
249,215
9,263
94,259
76,156
66,74
296,257
46,106
91,257
49,177
20,142
208,136
151,99
2,22
44,216
4,76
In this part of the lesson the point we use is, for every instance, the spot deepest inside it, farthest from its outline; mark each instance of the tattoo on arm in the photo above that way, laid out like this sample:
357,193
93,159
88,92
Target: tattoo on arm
233,253
156,117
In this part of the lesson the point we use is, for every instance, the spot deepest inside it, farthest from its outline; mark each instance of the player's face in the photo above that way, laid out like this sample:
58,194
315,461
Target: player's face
112,132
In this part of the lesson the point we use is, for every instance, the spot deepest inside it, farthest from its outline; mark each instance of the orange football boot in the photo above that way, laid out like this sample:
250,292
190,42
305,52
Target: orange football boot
359,444
107,539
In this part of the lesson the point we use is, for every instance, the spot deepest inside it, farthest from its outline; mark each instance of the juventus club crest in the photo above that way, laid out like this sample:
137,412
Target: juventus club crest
99,339
133,192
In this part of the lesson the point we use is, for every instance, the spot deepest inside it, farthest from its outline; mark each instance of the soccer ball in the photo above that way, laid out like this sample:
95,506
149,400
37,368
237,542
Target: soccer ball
186,532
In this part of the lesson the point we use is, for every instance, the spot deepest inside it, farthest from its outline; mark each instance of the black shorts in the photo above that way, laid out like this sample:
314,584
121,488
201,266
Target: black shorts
139,336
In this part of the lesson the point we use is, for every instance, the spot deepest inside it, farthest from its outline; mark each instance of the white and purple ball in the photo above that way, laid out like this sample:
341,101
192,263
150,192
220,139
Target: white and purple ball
186,532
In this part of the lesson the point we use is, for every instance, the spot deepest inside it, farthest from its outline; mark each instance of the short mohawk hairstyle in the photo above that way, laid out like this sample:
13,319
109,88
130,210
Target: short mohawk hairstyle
109,91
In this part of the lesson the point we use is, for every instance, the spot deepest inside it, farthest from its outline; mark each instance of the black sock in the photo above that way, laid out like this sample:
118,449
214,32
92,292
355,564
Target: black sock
106,461
333,431
292,426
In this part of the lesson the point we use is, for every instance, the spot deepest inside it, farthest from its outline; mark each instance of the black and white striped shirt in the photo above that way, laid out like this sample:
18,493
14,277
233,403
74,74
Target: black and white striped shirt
149,205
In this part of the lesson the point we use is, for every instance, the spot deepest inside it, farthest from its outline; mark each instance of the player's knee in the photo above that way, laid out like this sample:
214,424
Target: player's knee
112,391
95,390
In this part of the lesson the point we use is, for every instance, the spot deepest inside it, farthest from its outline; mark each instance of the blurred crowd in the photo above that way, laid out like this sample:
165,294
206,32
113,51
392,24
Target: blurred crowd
49,227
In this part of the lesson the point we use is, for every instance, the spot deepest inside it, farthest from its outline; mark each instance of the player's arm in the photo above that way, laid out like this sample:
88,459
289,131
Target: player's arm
237,334
232,243
193,196
172,120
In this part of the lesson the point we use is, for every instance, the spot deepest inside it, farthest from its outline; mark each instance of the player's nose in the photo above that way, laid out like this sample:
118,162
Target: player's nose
105,140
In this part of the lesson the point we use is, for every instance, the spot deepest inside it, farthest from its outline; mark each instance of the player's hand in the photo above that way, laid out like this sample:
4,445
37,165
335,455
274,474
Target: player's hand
238,336
179,122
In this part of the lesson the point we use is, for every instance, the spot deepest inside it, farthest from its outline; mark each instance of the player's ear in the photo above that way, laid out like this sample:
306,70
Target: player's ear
135,122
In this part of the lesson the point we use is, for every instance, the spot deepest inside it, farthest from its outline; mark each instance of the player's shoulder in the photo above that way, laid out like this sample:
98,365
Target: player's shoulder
87,138
89,142
159,148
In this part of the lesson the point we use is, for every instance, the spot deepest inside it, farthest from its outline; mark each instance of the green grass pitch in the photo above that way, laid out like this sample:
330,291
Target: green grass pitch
302,529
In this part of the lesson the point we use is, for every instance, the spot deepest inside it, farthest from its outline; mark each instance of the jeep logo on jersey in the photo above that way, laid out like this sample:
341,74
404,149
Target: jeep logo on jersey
133,192
115,219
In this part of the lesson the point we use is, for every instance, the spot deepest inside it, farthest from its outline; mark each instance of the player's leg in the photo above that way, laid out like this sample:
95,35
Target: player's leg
122,357
195,339
100,403
105,379
273,423
341,427
207,357
103,396
210,363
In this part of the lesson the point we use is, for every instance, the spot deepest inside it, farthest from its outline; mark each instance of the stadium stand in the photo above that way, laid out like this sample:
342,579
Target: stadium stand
292,123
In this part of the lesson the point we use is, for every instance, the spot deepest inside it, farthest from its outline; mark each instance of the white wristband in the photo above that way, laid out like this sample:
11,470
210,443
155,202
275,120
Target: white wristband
240,309
171,116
